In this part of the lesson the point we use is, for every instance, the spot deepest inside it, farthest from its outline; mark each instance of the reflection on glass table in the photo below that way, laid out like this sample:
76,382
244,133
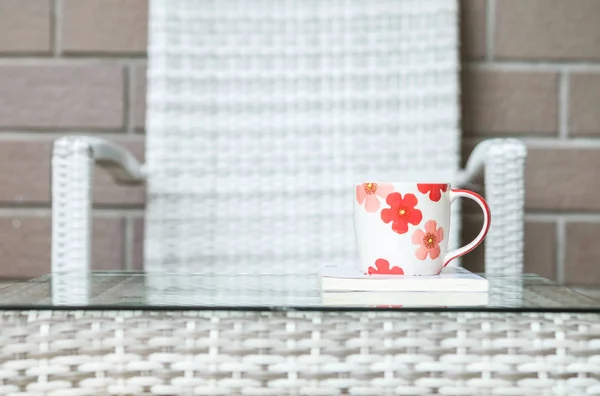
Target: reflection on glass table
138,290
137,333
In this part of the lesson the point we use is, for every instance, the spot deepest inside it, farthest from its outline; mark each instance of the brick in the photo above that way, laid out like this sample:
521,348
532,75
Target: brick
540,249
25,245
582,254
584,104
25,26
562,179
24,172
556,178
105,26
139,97
510,102
475,260
25,175
61,96
539,254
472,29
108,244
547,30
138,244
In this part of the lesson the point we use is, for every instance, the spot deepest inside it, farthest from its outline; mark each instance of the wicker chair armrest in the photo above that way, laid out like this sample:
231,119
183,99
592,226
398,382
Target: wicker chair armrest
73,160
502,164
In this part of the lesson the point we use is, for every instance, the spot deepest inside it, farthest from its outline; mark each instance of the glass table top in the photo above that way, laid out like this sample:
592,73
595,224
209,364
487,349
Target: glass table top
138,290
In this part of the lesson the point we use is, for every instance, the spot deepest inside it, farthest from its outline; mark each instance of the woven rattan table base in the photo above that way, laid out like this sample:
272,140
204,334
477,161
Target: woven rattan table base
88,352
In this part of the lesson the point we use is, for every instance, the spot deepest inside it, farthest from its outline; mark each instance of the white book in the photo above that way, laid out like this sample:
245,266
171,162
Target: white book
406,299
452,279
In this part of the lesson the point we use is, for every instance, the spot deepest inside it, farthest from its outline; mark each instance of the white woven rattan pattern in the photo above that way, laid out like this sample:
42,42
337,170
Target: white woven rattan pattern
302,353
262,114
72,181
505,193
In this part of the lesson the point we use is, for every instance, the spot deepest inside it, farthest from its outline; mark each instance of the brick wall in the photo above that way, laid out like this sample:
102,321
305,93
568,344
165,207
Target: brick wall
531,70
68,67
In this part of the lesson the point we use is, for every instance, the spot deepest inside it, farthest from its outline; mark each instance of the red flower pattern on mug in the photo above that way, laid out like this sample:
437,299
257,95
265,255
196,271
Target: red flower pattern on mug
429,240
382,267
368,194
401,212
435,190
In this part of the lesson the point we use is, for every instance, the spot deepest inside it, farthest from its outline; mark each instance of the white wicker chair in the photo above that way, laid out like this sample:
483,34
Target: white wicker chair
261,116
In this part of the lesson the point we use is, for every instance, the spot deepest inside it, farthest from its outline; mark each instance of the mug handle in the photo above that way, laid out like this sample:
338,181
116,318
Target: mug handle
458,193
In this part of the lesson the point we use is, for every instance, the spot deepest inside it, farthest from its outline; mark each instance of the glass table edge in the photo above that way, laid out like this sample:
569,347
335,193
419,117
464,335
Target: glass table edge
292,309
592,309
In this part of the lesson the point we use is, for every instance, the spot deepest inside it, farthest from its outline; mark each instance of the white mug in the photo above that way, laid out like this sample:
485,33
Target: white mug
403,228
